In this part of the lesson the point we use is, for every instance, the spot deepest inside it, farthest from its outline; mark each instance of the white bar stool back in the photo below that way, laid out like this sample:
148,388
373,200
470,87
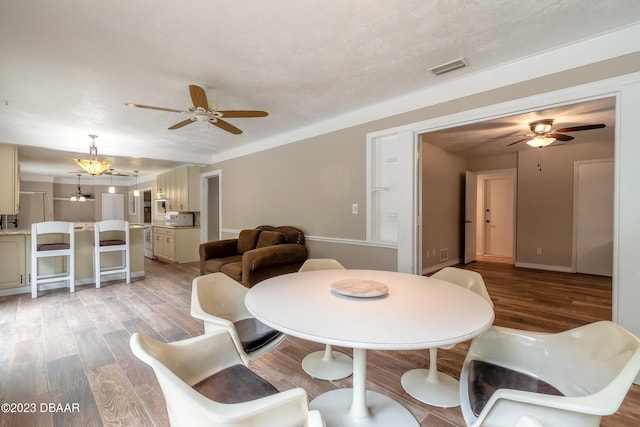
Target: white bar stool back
104,244
60,243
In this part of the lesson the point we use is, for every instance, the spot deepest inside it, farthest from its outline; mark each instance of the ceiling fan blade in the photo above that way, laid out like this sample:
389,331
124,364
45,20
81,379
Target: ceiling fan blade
560,137
226,126
243,113
518,141
198,97
181,124
577,128
153,108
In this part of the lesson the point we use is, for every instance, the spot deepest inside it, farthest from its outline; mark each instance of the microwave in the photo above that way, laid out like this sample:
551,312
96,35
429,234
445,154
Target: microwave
179,219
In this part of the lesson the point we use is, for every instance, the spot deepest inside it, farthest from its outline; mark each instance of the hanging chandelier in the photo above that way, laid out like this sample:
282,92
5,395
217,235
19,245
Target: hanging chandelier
136,192
78,196
93,166
112,189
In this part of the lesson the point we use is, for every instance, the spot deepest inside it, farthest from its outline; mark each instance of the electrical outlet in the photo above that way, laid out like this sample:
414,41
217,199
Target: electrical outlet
354,208
539,251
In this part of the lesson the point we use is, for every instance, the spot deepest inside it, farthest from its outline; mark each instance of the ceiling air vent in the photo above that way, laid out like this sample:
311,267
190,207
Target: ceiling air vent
449,66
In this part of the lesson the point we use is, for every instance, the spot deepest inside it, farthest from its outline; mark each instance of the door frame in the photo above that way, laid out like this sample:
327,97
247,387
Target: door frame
484,176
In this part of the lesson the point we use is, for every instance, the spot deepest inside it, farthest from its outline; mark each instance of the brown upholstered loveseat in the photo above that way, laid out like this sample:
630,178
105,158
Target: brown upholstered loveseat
257,254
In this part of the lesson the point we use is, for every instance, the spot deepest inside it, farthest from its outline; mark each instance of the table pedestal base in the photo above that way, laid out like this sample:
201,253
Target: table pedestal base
328,365
383,411
443,391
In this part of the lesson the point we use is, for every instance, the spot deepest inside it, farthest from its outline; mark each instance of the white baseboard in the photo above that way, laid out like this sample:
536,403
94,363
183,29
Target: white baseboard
559,268
64,284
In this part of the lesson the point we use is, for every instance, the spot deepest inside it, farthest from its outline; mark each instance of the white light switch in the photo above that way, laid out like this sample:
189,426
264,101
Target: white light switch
354,208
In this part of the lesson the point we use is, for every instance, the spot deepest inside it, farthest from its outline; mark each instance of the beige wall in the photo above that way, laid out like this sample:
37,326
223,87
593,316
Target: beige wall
494,163
545,201
442,205
312,183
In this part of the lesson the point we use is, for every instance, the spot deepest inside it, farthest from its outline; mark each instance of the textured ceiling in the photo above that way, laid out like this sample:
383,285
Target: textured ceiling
68,67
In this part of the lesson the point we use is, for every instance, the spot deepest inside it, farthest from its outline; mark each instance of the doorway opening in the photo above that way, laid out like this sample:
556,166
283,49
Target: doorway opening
542,237
211,219
495,216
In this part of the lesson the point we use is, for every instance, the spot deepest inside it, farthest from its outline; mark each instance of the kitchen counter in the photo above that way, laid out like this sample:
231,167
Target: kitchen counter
180,227
15,244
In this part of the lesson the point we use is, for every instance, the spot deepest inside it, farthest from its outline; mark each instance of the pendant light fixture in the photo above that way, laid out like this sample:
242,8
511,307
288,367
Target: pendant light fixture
93,166
112,189
136,192
77,196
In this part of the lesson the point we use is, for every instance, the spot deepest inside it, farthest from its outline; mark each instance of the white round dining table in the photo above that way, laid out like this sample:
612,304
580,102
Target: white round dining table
383,310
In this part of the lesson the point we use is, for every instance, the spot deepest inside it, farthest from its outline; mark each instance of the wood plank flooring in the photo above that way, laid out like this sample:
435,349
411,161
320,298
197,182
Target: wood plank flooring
67,355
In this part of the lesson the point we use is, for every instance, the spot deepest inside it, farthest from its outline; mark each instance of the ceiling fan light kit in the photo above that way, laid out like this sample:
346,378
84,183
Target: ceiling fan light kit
541,134
93,166
203,111
540,141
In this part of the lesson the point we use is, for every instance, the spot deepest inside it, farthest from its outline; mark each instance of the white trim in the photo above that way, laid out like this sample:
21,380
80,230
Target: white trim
560,268
335,240
351,242
65,284
622,41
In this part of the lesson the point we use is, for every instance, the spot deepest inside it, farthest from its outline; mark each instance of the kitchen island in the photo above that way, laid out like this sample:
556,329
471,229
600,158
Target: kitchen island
15,259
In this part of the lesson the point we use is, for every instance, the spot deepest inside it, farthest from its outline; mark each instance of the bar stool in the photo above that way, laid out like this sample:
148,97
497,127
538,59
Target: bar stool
54,246
326,364
118,244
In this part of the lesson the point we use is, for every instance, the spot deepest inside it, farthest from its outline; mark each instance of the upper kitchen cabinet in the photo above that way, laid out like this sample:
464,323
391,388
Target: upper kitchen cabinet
181,188
9,180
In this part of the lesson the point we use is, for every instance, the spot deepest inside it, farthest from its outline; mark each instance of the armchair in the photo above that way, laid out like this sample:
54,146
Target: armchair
569,379
218,301
205,383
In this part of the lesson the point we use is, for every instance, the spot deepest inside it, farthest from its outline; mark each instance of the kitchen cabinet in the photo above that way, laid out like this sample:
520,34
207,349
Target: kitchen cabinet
14,263
181,188
164,243
9,180
177,245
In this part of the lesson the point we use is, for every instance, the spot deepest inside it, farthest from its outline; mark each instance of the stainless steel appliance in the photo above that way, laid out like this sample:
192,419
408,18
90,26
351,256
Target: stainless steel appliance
148,242
176,219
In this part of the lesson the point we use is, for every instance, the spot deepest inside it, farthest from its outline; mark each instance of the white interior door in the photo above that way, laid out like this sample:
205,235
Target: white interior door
594,217
470,208
498,216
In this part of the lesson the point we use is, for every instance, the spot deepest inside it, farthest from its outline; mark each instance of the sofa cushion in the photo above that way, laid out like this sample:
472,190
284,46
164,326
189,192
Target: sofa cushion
294,234
233,270
270,238
485,378
214,265
235,384
247,240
